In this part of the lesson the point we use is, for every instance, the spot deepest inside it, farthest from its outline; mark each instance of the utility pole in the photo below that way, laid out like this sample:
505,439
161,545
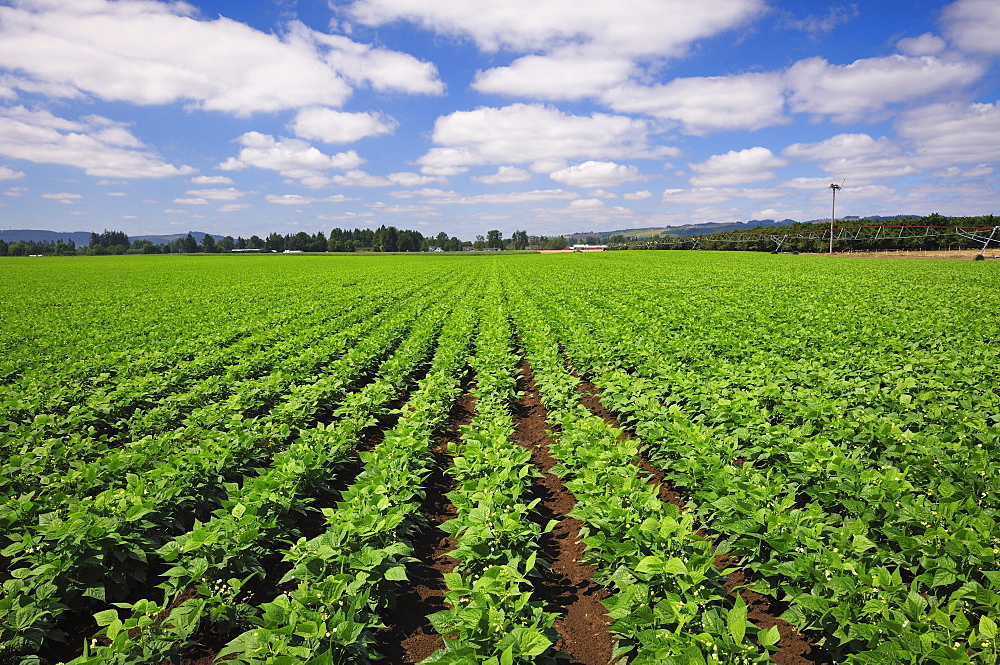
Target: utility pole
833,212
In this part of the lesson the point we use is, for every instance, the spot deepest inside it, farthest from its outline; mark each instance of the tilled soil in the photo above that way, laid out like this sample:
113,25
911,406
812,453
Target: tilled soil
567,586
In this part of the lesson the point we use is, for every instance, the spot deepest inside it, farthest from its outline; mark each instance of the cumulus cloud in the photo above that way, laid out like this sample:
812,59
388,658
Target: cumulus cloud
504,174
508,197
973,25
702,104
736,167
331,126
227,194
7,173
648,27
638,196
925,44
157,53
211,180
715,195
291,157
591,174
841,146
864,87
855,156
101,147
63,197
948,134
539,135
571,48
564,75
297,199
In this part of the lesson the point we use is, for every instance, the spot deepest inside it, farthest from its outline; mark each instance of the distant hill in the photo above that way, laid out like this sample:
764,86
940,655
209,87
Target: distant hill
685,230
163,240
82,238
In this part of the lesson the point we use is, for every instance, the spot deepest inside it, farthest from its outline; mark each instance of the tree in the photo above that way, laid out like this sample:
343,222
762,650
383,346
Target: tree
441,240
4,248
208,245
227,244
556,242
386,239
519,239
17,249
318,243
494,239
275,242
189,245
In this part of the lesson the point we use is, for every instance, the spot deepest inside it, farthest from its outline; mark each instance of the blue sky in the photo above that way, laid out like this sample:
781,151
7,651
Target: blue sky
552,116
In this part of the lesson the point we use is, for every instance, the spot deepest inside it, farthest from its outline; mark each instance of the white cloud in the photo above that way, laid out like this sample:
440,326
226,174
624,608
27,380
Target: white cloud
925,44
736,167
410,179
211,180
949,134
7,173
526,133
841,146
865,87
63,197
330,126
233,207
509,197
98,145
638,196
228,194
973,25
504,174
978,171
701,104
296,199
566,74
158,53
645,27
190,202
591,174
382,69
714,195
806,183
855,157
291,157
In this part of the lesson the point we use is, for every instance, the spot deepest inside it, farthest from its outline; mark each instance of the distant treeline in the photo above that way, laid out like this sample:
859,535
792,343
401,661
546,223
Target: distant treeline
382,239
849,234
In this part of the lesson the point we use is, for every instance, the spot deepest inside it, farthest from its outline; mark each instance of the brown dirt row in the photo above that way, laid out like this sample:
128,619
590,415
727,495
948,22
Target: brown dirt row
794,648
567,586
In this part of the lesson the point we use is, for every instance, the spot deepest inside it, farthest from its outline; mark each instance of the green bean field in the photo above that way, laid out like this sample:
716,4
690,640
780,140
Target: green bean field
611,457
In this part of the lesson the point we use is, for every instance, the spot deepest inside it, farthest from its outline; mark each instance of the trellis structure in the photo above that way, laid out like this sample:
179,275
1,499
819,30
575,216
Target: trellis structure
868,235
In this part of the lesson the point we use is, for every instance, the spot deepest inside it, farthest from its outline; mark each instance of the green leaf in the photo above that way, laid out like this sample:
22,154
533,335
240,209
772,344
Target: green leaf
238,510
105,617
396,574
737,620
988,628
769,638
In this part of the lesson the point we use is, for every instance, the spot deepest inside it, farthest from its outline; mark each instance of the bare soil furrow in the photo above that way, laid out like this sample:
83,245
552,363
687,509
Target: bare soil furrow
566,586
